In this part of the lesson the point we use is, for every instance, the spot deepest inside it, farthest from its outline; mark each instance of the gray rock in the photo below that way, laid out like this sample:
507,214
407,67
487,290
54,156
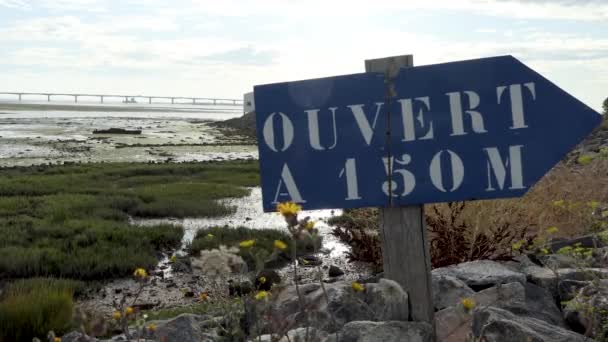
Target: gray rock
452,324
184,328
76,336
568,289
382,301
391,331
586,241
543,277
481,274
295,335
498,325
526,300
335,271
448,291
558,261
586,313
582,274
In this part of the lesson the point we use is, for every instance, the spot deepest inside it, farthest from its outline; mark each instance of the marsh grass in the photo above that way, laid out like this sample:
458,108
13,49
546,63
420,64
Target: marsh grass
73,221
31,308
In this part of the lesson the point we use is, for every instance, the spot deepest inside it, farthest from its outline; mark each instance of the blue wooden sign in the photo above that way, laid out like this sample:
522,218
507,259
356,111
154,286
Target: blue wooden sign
477,129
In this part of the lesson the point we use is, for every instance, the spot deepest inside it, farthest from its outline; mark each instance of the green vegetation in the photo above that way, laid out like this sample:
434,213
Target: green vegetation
31,308
73,221
212,238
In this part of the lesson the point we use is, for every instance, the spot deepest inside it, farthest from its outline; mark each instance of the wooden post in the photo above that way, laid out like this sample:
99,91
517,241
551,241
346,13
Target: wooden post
405,247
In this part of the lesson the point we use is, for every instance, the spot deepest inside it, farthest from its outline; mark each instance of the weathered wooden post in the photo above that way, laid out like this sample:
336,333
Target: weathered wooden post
404,239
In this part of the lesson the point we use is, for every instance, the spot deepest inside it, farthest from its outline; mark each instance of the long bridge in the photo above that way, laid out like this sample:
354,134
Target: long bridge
130,98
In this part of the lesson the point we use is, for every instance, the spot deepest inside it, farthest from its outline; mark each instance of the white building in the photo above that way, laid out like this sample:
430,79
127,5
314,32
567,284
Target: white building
248,103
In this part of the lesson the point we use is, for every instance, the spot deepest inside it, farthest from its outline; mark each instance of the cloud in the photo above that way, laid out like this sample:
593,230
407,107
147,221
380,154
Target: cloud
15,4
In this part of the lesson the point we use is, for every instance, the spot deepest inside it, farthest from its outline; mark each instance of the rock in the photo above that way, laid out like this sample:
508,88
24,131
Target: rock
526,300
382,301
269,277
184,328
76,336
498,325
582,274
390,331
335,271
543,277
298,335
558,261
452,324
189,294
309,261
586,241
568,289
448,291
481,274
117,131
588,311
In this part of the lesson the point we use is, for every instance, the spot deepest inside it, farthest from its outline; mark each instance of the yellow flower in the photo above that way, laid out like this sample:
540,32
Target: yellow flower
559,203
518,245
152,327
585,159
593,204
173,258
247,243
210,236
552,230
357,287
116,315
261,295
57,339
262,279
140,273
288,208
129,311
310,225
544,251
278,244
467,303
605,213
203,296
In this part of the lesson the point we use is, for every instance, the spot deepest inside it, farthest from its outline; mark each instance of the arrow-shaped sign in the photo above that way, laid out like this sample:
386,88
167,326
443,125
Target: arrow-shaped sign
485,128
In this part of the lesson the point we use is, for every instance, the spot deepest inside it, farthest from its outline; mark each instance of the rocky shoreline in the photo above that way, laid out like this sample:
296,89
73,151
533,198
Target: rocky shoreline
536,297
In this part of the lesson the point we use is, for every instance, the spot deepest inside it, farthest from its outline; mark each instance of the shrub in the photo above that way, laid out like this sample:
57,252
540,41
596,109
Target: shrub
212,238
31,308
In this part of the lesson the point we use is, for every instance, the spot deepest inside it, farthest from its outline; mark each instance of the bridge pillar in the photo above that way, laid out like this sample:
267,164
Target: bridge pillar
149,100
172,100
214,101
75,98
193,101
101,99
19,97
48,97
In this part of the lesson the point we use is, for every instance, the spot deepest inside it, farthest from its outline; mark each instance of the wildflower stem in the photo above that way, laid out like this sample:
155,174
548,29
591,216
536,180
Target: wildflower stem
294,254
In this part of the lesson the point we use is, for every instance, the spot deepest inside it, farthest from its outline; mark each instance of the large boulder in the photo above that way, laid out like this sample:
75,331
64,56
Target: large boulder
480,274
185,328
382,301
588,311
391,331
448,291
454,323
493,324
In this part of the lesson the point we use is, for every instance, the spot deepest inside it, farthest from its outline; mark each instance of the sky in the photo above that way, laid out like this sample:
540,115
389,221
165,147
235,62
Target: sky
222,48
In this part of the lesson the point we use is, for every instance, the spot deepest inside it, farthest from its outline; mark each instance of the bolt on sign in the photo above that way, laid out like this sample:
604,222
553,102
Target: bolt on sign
476,129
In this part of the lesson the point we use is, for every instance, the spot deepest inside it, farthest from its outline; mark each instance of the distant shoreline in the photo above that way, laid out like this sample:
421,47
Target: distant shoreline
90,108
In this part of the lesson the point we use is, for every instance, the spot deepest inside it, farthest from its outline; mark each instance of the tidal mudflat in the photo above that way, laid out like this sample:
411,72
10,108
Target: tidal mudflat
39,135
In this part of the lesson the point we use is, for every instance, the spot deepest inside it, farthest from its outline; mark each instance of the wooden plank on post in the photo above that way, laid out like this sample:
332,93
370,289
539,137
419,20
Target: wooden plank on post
405,247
